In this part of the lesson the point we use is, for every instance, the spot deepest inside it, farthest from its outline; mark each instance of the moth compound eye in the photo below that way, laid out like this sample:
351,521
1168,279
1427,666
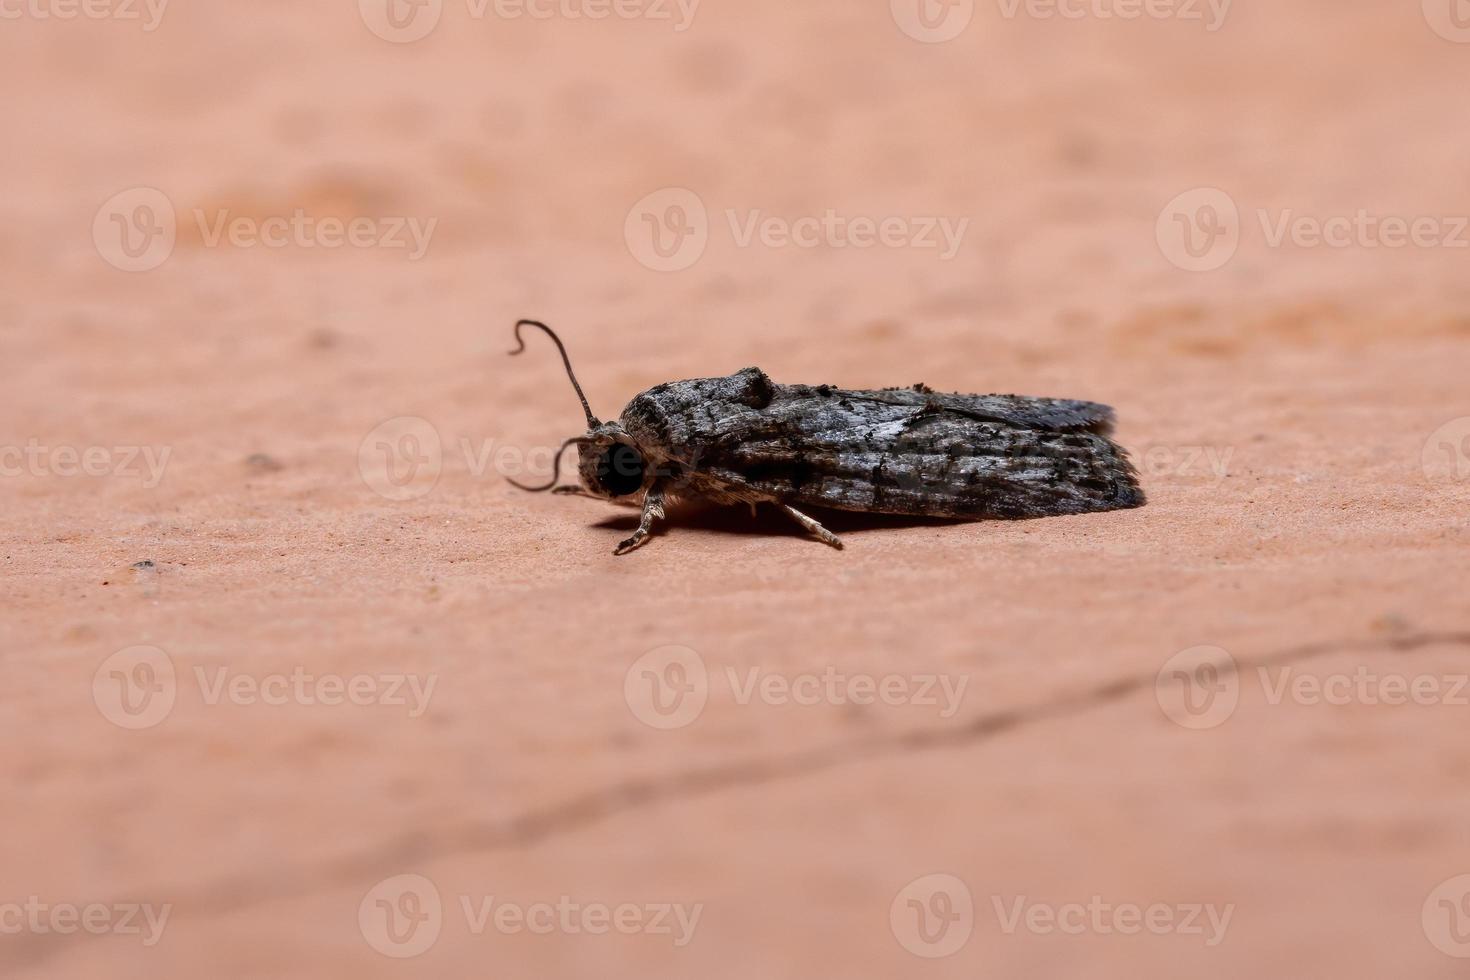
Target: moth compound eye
620,470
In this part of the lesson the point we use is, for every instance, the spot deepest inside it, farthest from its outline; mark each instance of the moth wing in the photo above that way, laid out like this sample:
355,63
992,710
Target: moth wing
921,453
1049,414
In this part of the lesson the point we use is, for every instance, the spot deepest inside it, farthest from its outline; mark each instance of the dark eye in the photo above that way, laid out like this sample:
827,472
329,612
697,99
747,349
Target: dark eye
620,470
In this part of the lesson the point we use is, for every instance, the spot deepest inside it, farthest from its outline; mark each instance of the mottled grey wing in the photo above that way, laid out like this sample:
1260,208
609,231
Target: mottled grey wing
1049,414
917,452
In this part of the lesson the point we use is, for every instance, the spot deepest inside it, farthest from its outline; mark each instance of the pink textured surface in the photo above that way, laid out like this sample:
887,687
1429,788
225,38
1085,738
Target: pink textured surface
1323,547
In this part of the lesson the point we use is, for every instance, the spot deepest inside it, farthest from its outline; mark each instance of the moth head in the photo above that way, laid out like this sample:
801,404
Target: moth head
610,463
608,459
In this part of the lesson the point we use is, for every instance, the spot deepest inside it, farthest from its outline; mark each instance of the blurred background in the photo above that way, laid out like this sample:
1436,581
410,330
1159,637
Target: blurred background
301,687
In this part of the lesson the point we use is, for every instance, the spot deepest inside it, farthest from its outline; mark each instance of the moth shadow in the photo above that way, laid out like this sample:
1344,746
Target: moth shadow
768,521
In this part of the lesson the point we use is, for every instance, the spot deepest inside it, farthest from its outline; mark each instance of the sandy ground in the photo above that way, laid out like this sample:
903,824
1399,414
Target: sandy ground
277,633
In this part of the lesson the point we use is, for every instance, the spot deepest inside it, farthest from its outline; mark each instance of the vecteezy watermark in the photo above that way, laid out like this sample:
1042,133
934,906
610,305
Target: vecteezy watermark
1200,688
933,916
669,230
937,21
1201,230
669,687
147,13
834,230
1446,456
932,21
137,230
138,687
95,918
1363,229
406,21
1210,13
404,916
401,21
146,463
300,229
1450,19
1098,916
505,459
401,916
1187,462
1446,917
402,458
1363,686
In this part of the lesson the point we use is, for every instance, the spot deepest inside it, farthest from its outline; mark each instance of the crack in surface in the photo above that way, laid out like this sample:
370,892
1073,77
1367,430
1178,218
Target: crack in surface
535,826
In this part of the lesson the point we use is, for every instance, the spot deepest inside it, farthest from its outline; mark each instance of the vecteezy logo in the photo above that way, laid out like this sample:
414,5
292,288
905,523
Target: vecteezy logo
401,21
1198,688
933,21
1447,452
401,916
668,230
667,687
135,230
1450,19
402,458
135,688
933,916
1446,917
1199,231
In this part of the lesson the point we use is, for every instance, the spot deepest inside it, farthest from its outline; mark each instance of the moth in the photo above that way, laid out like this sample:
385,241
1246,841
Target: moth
906,451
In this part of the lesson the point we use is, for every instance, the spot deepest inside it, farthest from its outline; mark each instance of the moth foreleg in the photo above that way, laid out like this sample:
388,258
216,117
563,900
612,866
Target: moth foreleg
653,509
815,528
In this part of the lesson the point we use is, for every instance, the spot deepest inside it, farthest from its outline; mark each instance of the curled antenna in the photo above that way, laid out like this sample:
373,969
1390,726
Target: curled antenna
592,422
555,465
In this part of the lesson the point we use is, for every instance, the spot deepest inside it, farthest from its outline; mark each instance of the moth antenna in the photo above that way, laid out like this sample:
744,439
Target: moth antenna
555,466
592,422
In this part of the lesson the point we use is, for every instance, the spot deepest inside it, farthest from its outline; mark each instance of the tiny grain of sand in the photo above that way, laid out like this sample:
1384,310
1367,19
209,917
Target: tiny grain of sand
441,676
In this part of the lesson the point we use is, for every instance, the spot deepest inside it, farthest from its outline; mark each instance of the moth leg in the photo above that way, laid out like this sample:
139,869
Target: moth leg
653,509
820,532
